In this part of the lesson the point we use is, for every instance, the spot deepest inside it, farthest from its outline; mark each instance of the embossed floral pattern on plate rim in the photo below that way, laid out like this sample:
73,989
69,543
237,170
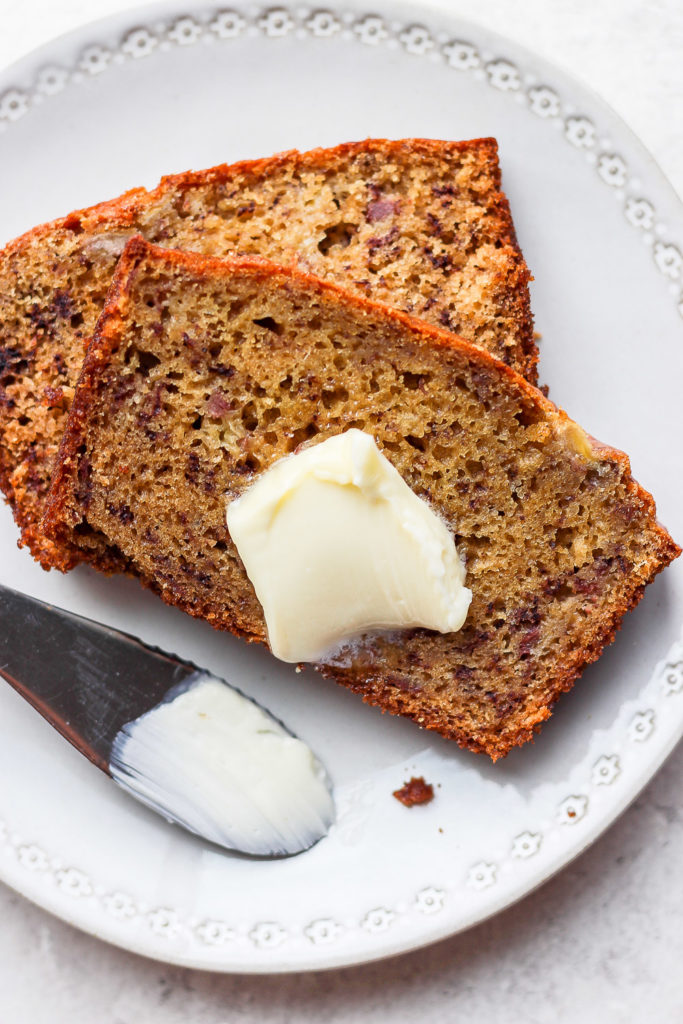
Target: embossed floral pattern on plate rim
372,29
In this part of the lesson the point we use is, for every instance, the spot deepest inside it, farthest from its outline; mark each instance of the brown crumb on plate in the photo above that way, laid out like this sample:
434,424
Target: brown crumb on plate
417,791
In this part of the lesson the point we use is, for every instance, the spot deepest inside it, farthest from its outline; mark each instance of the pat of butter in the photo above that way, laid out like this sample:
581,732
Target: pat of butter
336,545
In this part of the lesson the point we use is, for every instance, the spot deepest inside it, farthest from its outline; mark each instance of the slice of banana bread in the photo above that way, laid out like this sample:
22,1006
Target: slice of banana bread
203,372
421,225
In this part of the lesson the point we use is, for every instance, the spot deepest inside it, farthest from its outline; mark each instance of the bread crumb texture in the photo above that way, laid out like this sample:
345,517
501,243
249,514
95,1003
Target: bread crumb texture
419,225
204,372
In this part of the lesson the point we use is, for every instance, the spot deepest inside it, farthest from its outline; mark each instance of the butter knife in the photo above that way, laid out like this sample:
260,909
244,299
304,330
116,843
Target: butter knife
176,737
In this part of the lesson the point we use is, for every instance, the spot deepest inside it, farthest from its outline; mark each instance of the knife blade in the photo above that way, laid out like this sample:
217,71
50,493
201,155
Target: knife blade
180,740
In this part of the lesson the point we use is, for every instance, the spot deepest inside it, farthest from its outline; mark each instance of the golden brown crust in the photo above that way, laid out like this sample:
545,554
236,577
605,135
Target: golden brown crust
487,706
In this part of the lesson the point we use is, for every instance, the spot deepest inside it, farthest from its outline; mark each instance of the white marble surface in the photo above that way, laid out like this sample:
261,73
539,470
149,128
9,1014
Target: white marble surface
601,942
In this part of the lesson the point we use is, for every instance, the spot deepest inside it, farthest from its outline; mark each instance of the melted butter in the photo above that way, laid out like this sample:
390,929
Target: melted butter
337,545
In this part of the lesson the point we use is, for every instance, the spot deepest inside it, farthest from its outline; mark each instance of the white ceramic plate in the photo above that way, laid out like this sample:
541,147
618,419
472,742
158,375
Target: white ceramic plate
121,102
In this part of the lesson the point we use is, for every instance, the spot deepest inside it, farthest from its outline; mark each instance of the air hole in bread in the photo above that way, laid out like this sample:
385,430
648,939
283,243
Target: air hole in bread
269,324
527,416
413,381
419,443
146,362
334,397
249,416
270,415
337,235
301,435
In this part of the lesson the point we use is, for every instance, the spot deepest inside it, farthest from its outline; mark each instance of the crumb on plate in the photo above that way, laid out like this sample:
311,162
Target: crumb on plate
417,791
